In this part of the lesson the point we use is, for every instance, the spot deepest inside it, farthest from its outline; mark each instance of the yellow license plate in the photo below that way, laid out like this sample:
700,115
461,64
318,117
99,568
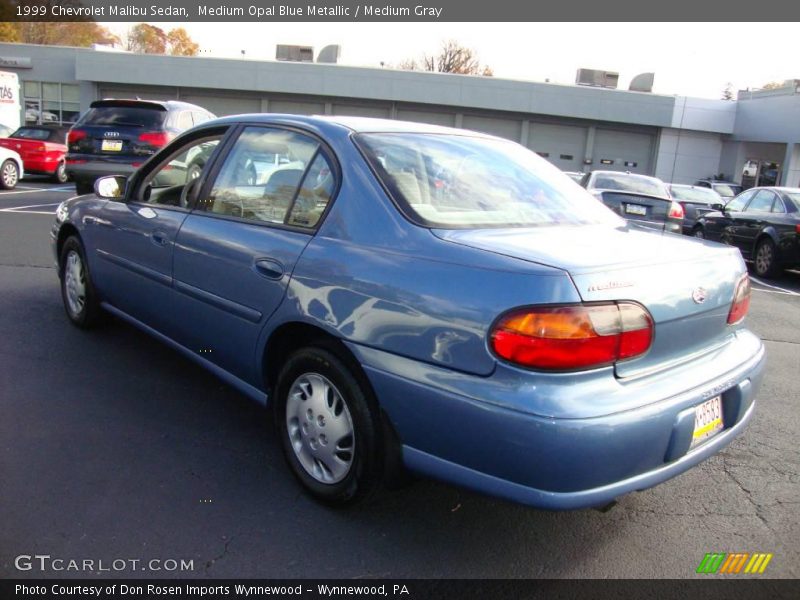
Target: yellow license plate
111,145
707,420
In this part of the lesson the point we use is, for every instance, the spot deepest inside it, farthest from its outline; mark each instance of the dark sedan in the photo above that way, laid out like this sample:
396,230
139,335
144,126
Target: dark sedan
637,198
696,201
764,223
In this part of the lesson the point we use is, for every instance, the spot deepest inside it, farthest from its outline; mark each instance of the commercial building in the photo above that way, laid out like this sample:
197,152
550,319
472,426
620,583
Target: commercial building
578,128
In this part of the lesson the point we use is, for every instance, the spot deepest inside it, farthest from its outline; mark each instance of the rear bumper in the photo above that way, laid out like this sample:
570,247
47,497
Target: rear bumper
84,168
558,463
41,166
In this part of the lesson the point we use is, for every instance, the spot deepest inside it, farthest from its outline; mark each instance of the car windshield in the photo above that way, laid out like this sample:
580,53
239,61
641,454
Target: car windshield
727,190
457,181
626,182
695,195
130,116
31,133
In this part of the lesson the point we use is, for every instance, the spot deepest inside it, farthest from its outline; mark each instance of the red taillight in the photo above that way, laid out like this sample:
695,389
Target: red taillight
797,228
573,337
741,300
675,210
75,135
155,138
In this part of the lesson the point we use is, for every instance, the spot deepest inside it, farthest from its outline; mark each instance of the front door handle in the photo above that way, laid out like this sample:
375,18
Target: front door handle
269,268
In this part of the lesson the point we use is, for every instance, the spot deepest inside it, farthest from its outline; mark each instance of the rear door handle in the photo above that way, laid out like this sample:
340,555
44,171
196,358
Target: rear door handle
160,238
269,268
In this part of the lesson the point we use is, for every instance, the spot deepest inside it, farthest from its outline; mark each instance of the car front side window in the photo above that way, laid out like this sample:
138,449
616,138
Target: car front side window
738,203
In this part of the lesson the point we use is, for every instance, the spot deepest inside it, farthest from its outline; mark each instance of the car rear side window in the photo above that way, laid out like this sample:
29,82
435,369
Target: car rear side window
32,133
457,181
261,176
124,116
696,195
762,202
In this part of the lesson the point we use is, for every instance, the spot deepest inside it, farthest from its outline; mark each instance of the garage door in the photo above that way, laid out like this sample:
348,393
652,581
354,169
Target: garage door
361,110
562,145
144,92
425,116
224,105
505,128
296,107
623,151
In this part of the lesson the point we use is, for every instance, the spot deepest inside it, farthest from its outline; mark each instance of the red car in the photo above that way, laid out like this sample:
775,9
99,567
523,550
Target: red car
42,148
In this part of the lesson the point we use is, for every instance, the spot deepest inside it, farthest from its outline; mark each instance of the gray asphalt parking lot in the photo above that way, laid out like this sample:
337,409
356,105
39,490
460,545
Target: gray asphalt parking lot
114,447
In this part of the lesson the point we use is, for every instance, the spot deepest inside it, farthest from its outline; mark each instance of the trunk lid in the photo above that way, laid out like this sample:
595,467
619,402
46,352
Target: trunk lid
663,272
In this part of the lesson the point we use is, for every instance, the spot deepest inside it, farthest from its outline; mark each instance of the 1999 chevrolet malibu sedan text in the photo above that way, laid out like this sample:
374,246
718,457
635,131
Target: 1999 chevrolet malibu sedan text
416,295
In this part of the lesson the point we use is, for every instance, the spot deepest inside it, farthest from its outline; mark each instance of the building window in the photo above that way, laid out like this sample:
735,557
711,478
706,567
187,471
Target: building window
54,103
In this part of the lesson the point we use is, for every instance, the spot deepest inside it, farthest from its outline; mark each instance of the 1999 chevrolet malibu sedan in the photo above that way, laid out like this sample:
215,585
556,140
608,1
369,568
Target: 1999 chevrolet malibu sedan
411,295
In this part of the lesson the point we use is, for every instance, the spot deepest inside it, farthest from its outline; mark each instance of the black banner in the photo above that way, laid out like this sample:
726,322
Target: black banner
411,589
396,10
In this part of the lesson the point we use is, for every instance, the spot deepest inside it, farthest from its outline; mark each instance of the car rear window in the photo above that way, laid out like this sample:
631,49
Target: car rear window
727,190
32,133
124,116
625,182
696,195
455,181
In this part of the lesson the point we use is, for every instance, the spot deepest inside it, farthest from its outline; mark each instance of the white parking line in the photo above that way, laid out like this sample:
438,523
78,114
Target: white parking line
755,289
23,209
25,191
774,287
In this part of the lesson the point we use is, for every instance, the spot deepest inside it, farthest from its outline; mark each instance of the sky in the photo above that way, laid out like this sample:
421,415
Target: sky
691,59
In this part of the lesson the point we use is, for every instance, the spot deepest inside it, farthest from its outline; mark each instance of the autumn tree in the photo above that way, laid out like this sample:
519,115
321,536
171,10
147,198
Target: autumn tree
451,58
772,85
150,39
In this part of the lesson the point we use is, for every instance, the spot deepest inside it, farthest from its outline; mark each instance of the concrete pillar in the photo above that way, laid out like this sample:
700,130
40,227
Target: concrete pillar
589,152
790,169
459,119
265,105
329,108
525,132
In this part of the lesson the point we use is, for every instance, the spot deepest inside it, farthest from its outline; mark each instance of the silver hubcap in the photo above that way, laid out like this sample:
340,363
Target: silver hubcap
75,283
10,174
320,428
764,258
698,233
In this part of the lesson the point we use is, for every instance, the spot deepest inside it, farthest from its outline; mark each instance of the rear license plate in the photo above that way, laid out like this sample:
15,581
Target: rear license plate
111,145
636,209
707,420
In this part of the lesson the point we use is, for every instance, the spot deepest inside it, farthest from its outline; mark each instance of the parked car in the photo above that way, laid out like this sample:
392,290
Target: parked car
42,149
495,327
638,198
695,200
763,222
11,169
115,137
726,189
576,176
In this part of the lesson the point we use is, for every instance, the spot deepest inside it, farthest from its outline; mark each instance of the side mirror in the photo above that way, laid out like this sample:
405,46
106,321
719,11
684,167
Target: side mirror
719,207
111,187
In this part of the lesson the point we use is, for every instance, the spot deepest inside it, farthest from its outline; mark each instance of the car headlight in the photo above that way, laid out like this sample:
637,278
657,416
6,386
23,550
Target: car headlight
61,212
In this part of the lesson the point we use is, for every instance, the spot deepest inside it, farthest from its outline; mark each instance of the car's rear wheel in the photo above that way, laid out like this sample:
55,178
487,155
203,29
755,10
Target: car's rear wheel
84,187
766,259
328,425
698,232
60,176
9,175
77,291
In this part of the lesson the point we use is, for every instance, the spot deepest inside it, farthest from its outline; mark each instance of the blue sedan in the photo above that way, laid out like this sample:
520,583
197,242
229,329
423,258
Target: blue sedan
411,296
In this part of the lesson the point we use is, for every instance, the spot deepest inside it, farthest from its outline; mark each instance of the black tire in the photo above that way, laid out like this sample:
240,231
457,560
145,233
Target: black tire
60,176
84,187
698,232
765,259
366,465
9,175
88,313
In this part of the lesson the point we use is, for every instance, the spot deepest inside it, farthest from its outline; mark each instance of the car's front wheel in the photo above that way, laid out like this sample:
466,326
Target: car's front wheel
77,291
9,175
766,260
698,232
328,425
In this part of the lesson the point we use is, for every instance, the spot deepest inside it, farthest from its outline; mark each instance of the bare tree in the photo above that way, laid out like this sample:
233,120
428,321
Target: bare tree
727,93
451,58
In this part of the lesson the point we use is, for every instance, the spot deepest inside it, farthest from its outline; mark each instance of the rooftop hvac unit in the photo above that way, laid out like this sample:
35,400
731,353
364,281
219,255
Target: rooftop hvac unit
597,78
643,82
329,54
294,53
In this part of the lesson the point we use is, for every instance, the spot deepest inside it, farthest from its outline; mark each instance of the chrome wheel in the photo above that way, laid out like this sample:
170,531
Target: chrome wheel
75,283
10,174
320,428
698,233
764,258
